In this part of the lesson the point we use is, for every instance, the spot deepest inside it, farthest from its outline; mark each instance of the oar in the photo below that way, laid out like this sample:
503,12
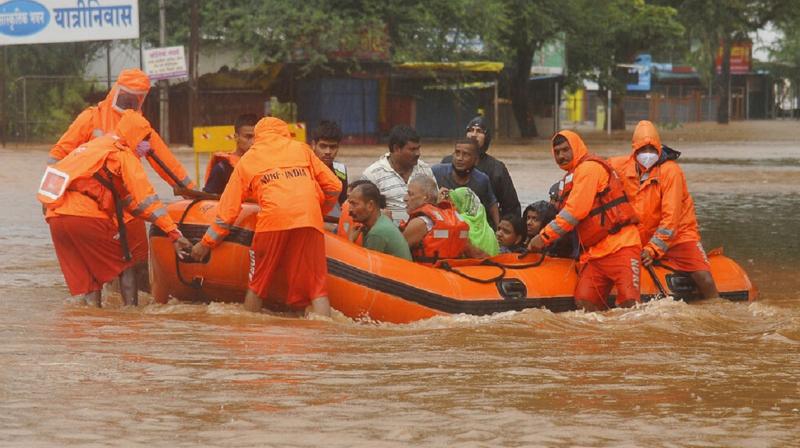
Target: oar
181,188
166,169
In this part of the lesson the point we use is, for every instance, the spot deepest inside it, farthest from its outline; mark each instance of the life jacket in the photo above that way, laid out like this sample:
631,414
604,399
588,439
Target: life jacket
447,238
340,170
84,171
76,173
611,210
230,158
346,223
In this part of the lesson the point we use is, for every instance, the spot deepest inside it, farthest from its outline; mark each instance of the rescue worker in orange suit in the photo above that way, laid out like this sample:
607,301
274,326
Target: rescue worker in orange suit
434,229
84,195
668,226
221,164
294,189
592,201
128,93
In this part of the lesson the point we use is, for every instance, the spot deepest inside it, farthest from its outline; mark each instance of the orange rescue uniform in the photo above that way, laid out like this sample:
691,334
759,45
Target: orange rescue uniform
603,262
294,189
81,210
102,119
667,221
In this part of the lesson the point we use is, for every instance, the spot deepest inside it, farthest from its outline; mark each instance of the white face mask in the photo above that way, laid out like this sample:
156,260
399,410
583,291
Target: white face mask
647,159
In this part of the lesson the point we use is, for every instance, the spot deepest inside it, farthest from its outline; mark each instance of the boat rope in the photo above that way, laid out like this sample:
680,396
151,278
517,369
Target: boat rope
446,266
489,262
537,263
196,283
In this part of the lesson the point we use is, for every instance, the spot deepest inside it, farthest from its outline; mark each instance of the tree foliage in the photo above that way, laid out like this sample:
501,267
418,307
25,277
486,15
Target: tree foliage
523,29
604,36
42,87
717,24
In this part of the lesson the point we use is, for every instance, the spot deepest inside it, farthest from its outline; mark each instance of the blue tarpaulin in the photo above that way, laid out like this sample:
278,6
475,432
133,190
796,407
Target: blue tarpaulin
352,103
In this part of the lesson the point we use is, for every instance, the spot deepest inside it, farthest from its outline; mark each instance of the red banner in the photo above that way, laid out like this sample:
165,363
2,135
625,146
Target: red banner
741,57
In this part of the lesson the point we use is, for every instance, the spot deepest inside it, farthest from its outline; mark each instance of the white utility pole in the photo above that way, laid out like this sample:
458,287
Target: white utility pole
163,85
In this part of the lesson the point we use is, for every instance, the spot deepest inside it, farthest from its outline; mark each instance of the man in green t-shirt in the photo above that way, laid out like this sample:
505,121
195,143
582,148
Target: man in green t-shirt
380,233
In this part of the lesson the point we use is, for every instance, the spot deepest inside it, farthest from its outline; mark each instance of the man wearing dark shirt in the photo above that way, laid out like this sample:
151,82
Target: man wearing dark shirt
461,172
502,185
221,164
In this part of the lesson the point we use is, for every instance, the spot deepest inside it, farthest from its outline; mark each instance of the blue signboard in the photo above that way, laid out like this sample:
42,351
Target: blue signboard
33,22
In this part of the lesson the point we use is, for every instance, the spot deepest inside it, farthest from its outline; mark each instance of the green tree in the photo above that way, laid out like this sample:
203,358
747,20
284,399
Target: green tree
786,52
519,31
718,24
600,37
41,88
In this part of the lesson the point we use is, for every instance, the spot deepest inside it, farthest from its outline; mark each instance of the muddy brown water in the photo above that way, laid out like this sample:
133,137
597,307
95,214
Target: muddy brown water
666,374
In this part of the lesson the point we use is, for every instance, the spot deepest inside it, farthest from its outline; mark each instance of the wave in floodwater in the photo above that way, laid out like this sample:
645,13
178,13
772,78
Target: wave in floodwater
666,316
666,373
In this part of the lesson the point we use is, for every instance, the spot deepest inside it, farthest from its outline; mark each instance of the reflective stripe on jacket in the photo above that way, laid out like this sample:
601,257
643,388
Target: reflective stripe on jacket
588,179
610,210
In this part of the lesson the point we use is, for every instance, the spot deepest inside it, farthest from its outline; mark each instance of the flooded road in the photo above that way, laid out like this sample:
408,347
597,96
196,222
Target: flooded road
666,374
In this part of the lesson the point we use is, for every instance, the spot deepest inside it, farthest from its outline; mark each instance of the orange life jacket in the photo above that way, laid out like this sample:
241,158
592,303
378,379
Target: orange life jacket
78,172
84,171
346,223
610,212
447,238
230,157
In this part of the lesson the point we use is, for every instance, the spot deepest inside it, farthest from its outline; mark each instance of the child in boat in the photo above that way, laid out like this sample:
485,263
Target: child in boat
538,215
511,234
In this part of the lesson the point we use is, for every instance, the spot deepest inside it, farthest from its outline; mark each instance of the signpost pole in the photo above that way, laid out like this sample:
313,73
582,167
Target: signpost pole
163,85
25,107
3,98
556,109
108,64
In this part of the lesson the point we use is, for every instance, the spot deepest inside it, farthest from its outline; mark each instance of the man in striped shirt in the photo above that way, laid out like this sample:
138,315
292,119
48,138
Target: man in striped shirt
394,169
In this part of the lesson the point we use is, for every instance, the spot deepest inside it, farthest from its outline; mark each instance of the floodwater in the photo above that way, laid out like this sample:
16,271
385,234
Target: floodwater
666,374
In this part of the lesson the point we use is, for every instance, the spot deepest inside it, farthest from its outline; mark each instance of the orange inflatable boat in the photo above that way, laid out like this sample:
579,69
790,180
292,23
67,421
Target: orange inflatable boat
367,284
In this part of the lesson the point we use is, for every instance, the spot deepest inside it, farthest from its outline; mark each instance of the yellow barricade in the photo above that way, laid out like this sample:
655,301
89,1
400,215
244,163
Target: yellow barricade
211,139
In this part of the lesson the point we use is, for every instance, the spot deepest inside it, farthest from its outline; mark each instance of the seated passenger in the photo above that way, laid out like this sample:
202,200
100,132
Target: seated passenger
394,169
379,232
346,227
511,235
538,215
434,229
221,164
325,142
479,129
470,209
462,172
